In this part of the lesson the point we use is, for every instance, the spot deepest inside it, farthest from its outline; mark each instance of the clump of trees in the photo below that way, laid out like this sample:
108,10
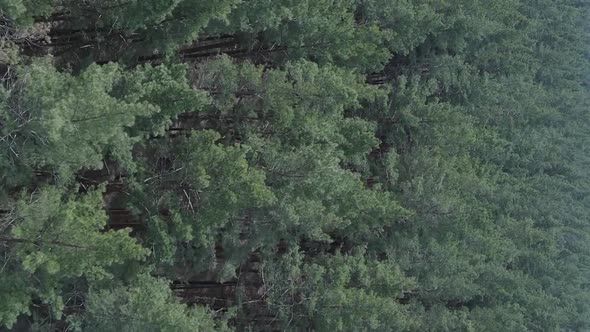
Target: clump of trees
294,165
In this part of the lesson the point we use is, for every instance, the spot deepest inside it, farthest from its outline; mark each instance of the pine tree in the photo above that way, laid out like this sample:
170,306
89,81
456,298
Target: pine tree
51,240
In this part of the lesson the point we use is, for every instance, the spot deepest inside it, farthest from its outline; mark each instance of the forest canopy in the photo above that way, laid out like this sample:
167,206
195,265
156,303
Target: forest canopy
312,165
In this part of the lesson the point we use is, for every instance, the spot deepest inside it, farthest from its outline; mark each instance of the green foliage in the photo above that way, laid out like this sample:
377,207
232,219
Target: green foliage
166,87
62,123
338,293
324,31
449,194
164,24
147,305
65,122
22,11
202,185
53,239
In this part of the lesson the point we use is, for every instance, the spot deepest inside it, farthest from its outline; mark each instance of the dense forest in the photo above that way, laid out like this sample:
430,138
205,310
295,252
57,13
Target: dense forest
299,165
